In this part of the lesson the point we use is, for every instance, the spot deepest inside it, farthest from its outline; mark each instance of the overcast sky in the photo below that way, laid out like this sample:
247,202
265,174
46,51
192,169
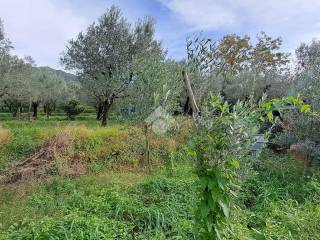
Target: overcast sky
41,28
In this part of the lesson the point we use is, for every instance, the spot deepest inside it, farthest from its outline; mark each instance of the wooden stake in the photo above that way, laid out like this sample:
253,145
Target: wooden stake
193,102
147,153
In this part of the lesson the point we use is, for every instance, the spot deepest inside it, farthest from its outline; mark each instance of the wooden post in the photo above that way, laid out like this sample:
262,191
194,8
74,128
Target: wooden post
147,153
193,102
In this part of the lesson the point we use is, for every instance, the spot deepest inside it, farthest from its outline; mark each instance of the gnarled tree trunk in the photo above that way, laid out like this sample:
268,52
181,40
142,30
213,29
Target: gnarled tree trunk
35,109
106,109
99,110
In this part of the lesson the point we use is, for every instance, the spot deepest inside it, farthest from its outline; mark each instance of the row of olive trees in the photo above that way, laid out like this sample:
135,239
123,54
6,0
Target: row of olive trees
114,62
23,86
238,69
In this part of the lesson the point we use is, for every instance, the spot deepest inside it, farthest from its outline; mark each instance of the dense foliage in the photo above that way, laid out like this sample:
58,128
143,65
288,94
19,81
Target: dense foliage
108,55
72,109
221,140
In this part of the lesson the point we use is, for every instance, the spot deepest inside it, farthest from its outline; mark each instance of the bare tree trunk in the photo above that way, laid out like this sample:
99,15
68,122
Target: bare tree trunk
105,114
29,110
19,111
99,110
192,99
106,109
35,109
10,108
46,109
14,113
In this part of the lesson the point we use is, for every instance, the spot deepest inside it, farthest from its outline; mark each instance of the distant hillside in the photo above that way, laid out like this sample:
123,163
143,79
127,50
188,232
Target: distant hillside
69,77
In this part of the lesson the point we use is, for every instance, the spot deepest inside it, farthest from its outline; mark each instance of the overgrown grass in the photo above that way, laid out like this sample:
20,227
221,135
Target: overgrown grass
127,205
116,199
110,206
25,136
278,201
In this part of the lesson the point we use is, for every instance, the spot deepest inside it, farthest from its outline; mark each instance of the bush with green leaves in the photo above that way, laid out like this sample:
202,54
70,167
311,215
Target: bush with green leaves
268,107
72,109
221,139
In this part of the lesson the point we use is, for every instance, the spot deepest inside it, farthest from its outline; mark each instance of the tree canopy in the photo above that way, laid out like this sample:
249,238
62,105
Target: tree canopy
106,56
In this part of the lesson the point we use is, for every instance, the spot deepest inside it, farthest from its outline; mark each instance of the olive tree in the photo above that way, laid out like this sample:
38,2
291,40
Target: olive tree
307,73
15,77
158,83
106,56
5,47
52,90
15,84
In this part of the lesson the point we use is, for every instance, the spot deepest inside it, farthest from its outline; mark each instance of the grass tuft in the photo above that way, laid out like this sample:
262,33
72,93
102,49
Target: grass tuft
4,136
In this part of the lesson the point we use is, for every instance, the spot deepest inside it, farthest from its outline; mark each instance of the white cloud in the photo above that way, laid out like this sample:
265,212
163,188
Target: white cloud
295,20
202,14
39,28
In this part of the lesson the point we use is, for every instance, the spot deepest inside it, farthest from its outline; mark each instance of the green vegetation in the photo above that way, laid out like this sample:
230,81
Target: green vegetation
149,156
273,200
73,109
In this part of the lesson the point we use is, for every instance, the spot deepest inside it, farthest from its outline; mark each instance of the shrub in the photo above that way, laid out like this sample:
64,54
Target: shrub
73,109
222,137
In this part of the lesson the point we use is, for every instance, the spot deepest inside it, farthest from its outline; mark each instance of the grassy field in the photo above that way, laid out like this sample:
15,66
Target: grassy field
115,197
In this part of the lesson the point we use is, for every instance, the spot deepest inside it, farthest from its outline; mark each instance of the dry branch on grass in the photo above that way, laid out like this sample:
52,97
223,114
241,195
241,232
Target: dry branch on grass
54,153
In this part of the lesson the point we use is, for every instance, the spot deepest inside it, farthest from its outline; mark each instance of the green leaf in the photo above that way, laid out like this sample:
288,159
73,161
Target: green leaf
211,203
277,105
224,208
204,209
221,184
212,185
305,108
235,164
203,182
